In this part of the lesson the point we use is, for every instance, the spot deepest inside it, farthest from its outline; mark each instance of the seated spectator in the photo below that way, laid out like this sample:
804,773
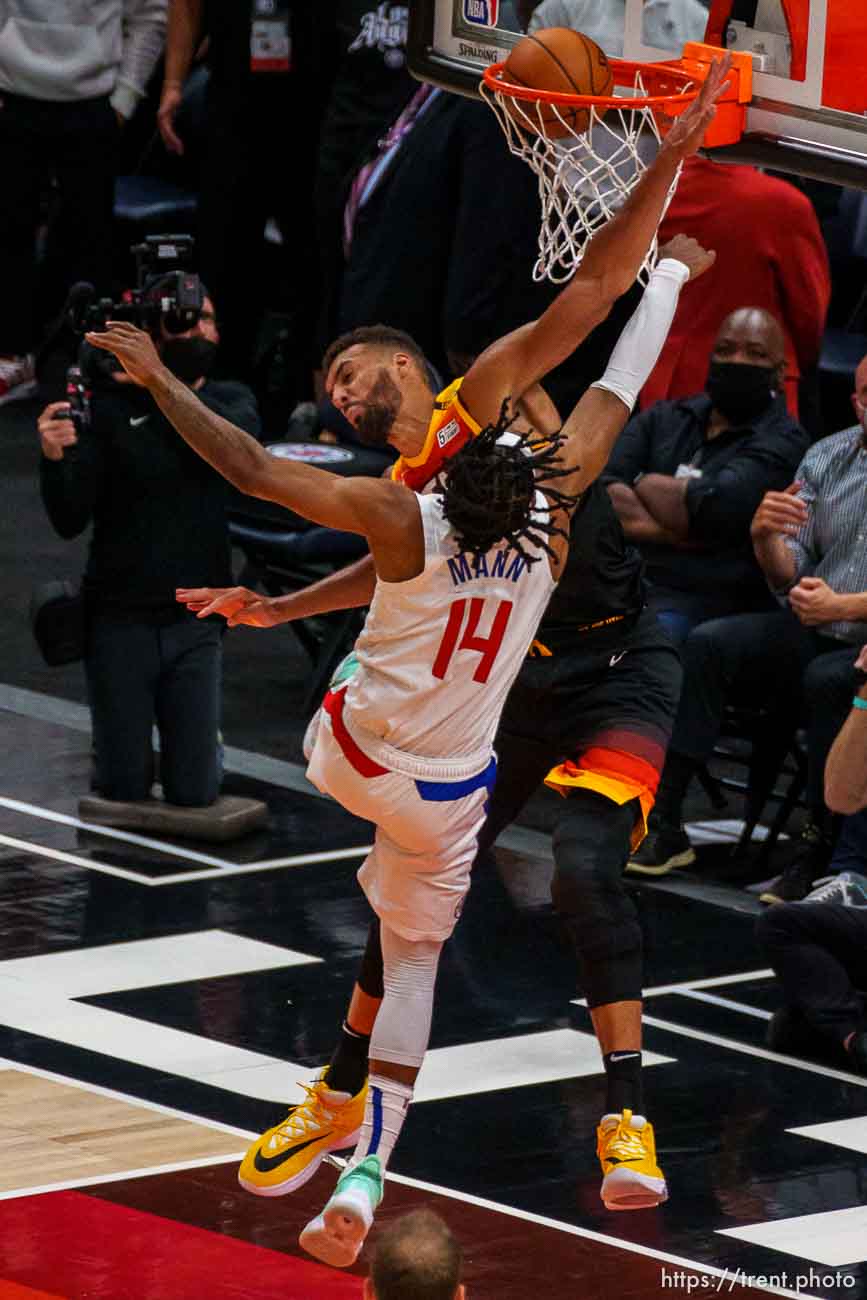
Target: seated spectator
688,476
846,769
416,1258
799,659
818,949
770,252
159,522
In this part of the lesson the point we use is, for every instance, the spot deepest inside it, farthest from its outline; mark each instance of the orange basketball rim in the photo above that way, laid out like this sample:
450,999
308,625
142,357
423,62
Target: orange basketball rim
663,89
589,151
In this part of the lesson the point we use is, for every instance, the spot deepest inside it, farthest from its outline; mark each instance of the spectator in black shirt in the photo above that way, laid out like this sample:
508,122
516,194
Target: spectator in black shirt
688,476
159,523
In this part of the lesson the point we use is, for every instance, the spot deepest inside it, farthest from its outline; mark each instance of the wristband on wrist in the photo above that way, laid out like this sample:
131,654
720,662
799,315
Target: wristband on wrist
858,703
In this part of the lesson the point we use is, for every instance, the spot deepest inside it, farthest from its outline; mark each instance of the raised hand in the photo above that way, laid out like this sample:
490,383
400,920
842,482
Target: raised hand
239,606
685,249
687,133
134,349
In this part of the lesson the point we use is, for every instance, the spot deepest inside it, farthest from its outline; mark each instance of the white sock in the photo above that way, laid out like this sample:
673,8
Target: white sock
384,1112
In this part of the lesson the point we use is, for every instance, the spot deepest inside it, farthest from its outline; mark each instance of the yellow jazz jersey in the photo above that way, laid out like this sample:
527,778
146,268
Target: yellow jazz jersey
451,427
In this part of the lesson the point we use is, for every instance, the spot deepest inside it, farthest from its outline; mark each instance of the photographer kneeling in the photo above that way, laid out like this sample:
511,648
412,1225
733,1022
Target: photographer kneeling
159,522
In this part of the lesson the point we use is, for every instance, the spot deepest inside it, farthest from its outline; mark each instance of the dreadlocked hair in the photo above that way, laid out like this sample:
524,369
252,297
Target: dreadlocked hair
488,490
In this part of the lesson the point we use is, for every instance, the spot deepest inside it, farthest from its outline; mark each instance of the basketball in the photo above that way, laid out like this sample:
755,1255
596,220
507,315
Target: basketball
560,59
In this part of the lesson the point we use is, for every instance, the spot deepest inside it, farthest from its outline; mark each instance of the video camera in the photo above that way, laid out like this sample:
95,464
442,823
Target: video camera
167,296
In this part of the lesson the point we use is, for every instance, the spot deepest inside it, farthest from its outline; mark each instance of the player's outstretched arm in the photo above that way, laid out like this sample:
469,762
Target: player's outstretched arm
599,417
382,511
610,265
348,588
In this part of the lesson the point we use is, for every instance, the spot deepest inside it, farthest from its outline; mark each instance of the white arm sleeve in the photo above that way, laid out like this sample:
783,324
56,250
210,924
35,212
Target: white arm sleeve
144,29
637,350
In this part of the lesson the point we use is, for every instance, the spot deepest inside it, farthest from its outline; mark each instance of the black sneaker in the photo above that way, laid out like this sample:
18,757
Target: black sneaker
808,863
664,848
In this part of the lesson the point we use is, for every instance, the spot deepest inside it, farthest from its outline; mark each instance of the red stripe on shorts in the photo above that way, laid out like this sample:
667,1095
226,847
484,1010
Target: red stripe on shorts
333,706
615,762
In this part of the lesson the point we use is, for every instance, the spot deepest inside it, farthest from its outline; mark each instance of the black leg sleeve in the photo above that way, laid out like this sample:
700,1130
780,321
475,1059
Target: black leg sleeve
370,974
591,846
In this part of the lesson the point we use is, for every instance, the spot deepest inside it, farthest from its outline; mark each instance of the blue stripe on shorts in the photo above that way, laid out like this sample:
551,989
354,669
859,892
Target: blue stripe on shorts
445,791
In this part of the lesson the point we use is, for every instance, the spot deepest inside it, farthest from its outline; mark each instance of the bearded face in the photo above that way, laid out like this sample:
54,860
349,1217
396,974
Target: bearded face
379,411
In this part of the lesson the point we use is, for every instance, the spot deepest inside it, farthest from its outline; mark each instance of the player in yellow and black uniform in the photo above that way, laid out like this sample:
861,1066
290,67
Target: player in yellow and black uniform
451,427
607,754
590,713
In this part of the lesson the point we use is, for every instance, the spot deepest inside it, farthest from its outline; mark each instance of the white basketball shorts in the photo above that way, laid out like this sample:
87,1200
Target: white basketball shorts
418,873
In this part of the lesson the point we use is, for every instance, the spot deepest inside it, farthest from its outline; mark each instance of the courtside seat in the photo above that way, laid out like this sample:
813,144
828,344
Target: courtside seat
776,763
149,201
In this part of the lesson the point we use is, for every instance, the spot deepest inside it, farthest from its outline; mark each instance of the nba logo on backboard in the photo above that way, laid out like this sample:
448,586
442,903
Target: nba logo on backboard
482,13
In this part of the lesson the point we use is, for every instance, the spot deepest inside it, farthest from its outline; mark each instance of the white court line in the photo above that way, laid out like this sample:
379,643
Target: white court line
200,1162
712,981
111,832
112,1093
728,1003
58,855
182,877
275,864
634,1248
452,1194
763,1053
69,1185
274,771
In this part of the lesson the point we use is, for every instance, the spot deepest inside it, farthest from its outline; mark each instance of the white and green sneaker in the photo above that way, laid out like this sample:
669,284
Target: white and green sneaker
337,1234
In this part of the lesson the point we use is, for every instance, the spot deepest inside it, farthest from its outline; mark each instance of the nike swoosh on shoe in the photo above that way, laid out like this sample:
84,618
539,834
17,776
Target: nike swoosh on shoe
265,1164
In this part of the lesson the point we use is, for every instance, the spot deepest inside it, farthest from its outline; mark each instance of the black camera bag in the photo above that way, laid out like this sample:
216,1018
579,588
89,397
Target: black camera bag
57,619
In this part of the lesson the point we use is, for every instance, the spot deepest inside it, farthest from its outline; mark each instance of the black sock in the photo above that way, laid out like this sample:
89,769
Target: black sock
623,1082
348,1069
676,776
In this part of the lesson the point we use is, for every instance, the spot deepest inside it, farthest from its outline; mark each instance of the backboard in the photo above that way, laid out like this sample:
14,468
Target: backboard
808,112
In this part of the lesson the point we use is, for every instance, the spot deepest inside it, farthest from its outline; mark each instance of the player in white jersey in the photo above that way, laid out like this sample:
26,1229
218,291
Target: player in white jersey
406,739
463,576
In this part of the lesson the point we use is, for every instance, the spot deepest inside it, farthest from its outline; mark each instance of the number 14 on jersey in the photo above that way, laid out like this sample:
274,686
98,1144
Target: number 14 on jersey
461,634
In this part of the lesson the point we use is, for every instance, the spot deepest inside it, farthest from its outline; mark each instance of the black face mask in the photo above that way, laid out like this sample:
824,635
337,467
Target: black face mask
189,359
739,391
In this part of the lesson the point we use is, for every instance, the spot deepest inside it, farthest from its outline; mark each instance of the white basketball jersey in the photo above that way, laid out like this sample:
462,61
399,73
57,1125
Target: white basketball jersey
439,652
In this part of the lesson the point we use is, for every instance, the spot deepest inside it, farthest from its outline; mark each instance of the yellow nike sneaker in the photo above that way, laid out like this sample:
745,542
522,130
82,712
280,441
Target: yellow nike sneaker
632,1180
284,1157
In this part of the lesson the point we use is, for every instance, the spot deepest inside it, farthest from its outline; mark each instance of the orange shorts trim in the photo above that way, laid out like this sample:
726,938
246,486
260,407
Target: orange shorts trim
616,775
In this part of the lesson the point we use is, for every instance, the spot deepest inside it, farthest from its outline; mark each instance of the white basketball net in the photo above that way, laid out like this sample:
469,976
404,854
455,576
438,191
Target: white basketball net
583,177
